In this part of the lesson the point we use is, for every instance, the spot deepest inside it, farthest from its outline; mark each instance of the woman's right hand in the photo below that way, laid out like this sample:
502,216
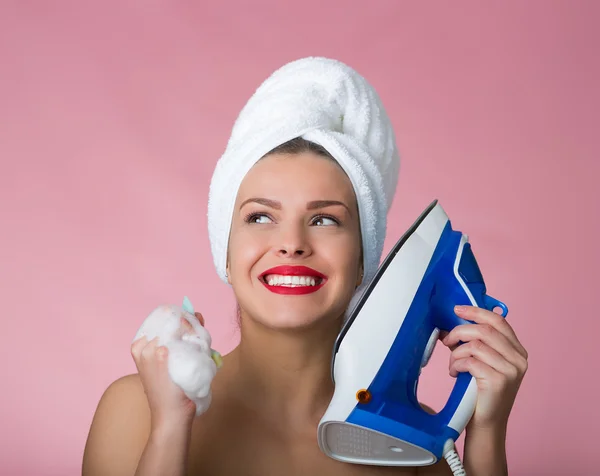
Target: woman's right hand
169,405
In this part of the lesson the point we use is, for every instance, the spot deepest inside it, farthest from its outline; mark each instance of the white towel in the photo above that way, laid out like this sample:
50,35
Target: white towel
192,364
327,102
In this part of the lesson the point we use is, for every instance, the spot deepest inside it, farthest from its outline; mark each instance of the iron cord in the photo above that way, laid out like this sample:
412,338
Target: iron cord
453,459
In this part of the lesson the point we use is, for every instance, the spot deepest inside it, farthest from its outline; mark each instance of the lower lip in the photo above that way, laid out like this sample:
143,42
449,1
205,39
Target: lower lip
297,290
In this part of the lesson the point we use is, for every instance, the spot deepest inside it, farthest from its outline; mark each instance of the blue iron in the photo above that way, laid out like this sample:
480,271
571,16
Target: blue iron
374,416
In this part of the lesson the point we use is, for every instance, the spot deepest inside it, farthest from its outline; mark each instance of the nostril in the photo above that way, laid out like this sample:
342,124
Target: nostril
284,252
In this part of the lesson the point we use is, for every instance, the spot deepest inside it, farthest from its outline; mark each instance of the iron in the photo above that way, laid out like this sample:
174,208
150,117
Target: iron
374,417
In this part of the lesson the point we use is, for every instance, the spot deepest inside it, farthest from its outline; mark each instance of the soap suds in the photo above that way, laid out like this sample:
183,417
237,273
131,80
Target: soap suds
190,360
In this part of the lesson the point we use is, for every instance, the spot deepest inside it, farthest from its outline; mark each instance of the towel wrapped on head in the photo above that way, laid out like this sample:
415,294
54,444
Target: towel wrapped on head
326,102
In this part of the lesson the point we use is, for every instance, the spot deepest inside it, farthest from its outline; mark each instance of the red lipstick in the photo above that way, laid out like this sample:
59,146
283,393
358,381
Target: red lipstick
289,270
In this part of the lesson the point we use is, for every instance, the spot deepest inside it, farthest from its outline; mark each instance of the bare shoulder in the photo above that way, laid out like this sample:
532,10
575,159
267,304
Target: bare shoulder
119,429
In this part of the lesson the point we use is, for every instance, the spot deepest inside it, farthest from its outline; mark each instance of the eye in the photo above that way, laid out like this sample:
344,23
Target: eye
323,220
257,218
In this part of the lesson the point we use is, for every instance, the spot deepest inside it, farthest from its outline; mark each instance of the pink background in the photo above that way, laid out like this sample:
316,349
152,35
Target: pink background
112,117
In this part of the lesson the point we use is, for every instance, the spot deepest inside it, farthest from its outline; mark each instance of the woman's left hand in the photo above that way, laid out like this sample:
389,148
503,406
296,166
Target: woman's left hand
493,355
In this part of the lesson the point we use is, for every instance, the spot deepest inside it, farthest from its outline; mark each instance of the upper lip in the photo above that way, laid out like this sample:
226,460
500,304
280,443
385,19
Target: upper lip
289,270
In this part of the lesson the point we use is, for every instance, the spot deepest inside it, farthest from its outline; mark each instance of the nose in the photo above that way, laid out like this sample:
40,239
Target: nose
292,243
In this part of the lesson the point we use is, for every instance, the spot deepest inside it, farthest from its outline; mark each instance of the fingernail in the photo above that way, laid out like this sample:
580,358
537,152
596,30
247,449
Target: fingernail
460,308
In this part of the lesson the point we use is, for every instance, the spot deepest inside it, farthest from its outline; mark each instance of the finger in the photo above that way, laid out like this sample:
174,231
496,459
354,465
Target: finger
475,367
154,352
185,324
490,336
442,336
483,316
486,376
149,351
485,354
200,317
137,346
162,352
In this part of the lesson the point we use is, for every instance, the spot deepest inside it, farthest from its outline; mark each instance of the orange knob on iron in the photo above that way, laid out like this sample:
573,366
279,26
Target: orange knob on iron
363,396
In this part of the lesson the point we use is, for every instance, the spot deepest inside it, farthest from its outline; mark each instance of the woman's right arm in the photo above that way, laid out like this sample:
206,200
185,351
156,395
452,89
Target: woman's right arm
166,452
142,426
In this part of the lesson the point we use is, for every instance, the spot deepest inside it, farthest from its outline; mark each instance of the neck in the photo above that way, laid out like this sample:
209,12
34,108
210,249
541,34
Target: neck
287,373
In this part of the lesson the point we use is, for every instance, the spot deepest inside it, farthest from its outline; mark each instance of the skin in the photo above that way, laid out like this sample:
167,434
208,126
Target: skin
291,336
274,387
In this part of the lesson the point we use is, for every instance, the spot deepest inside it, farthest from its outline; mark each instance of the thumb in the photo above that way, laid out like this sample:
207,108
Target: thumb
200,317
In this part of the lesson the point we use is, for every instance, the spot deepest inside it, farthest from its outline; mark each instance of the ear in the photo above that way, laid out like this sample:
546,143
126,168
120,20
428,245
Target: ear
360,275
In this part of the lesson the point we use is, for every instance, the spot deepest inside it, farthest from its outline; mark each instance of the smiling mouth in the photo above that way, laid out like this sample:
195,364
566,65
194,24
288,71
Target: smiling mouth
280,280
293,280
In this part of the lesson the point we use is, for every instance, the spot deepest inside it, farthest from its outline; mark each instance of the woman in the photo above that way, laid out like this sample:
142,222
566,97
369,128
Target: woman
296,206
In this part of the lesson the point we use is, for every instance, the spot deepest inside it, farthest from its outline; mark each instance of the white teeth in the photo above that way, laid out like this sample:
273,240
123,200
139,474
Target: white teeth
290,281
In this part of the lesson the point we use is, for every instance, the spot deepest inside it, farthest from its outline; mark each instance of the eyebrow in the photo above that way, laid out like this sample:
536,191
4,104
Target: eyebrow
315,204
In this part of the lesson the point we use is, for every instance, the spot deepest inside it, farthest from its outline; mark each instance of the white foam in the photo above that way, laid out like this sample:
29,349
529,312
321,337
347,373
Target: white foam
190,362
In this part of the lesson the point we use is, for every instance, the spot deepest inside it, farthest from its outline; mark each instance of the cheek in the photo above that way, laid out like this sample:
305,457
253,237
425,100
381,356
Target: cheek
245,248
343,253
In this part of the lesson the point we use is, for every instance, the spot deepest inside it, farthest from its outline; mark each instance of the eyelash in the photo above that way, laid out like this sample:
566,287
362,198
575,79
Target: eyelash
248,218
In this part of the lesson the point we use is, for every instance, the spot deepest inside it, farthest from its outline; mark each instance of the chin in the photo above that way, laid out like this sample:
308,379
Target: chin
287,318
277,311
293,316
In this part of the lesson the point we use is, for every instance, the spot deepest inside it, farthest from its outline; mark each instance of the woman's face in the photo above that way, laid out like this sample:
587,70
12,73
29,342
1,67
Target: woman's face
299,213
